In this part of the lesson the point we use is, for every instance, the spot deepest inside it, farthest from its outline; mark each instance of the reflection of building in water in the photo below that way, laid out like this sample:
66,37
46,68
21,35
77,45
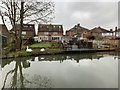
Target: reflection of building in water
117,56
76,57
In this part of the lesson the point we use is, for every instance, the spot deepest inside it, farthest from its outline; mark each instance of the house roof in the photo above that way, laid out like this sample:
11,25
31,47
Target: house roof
26,27
50,28
78,28
100,30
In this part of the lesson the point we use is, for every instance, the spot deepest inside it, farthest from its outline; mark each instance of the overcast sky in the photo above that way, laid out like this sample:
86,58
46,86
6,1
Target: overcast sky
88,14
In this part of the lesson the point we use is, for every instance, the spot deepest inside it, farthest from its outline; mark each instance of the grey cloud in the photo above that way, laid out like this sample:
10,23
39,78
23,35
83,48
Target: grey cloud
88,14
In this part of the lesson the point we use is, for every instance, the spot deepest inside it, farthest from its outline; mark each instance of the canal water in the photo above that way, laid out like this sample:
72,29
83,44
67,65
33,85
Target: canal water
88,70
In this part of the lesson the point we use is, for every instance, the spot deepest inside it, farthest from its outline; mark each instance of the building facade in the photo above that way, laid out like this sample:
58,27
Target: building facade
117,32
100,33
77,31
4,35
50,32
27,32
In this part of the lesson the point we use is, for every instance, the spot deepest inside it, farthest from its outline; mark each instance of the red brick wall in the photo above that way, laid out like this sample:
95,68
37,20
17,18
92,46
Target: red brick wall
29,34
4,30
70,33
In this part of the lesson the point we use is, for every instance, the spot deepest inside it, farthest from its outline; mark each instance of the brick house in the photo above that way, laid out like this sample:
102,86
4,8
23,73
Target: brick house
99,32
116,32
77,31
4,35
50,32
28,30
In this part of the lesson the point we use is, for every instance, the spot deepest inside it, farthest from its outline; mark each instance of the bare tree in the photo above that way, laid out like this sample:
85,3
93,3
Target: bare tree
24,13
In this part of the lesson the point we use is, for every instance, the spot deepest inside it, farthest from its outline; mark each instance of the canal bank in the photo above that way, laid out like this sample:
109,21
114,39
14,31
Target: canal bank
37,52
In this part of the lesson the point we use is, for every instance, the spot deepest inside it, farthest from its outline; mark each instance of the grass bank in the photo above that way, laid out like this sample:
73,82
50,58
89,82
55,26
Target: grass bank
35,52
50,48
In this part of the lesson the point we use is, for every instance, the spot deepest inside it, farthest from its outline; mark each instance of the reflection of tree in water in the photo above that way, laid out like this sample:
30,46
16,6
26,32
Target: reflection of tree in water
38,81
19,80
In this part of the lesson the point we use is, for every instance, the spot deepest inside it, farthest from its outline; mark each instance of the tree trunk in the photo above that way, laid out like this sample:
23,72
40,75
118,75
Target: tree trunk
14,26
21,26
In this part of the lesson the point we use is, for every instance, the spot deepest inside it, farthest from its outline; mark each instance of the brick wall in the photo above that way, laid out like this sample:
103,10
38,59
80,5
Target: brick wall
4,31
28,34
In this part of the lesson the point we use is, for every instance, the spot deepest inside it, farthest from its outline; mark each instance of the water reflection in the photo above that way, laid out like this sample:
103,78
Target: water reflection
16,77
18,80
76,57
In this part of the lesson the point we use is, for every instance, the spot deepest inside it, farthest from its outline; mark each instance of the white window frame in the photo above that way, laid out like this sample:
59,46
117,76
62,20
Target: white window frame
55,33
46,33
23,32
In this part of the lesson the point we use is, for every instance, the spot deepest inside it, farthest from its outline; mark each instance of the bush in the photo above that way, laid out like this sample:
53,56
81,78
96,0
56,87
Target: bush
31,41
91,37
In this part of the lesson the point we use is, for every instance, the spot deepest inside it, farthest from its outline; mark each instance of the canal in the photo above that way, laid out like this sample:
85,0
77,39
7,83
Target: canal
82,70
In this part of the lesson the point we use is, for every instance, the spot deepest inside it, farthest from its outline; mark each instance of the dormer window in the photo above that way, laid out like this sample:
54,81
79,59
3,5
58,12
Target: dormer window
47,27
41,26
46,33
53,26
55,33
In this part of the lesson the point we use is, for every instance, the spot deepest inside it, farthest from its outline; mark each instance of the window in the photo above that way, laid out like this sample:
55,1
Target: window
46,33
41,26
25,26
53,26
23,33
30,25
55,38
55,33
60,27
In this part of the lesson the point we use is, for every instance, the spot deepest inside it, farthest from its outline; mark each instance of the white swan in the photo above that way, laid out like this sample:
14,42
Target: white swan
28,49
42,49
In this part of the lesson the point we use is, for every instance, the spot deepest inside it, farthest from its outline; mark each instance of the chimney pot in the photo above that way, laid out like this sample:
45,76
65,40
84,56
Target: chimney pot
78,25
111,30
115,28
99,27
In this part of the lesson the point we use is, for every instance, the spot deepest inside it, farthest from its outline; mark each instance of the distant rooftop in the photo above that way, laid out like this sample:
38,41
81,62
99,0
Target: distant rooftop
78,28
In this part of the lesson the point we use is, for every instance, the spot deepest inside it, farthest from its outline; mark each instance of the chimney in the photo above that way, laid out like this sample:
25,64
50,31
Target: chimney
115,31
99,27
78,24
75,26
115,28
111,30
